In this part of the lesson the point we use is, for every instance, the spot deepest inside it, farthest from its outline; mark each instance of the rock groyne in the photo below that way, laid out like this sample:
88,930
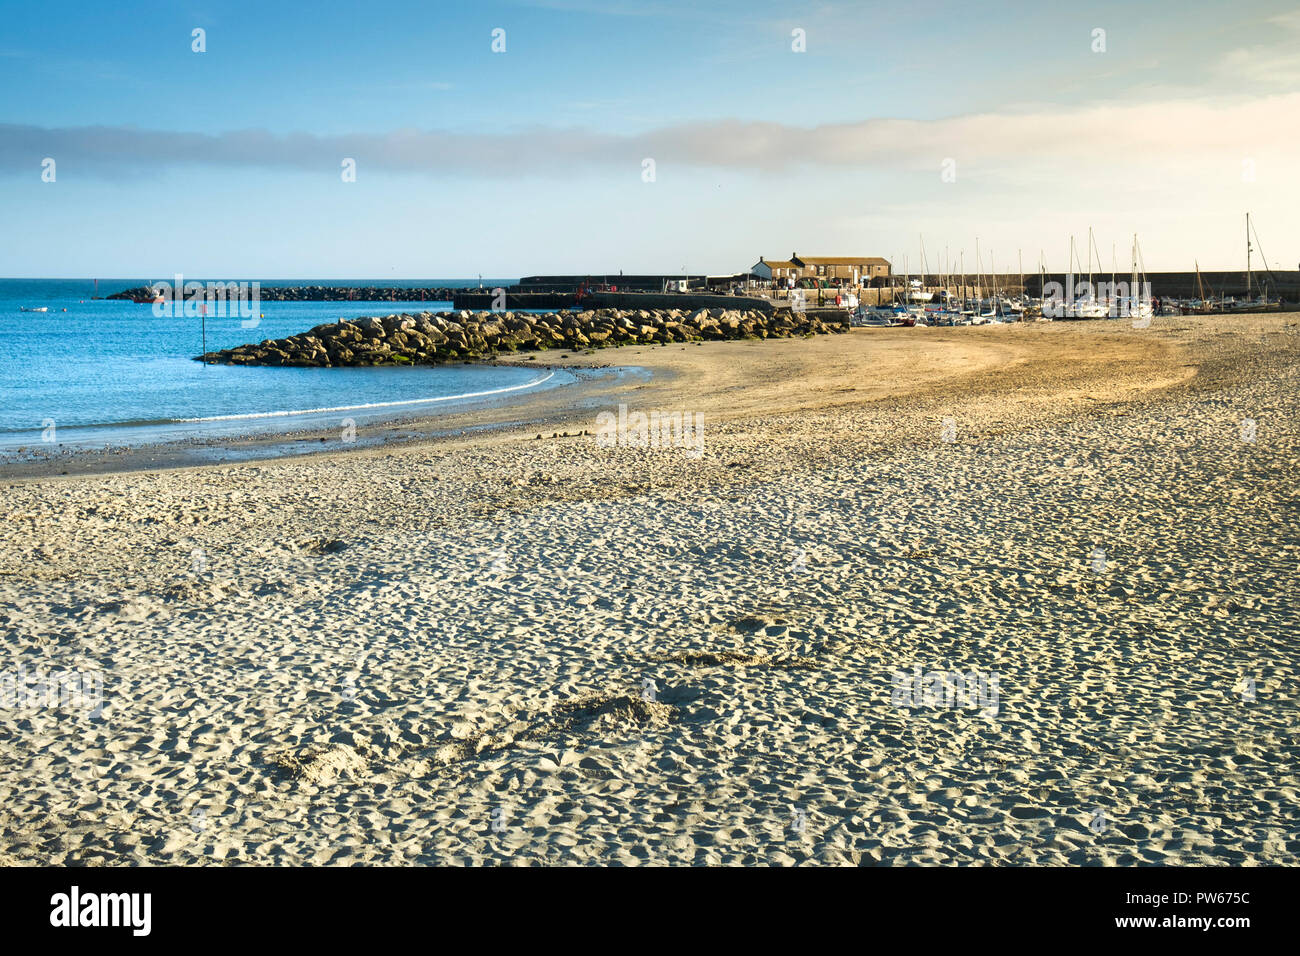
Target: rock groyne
435,338
315,293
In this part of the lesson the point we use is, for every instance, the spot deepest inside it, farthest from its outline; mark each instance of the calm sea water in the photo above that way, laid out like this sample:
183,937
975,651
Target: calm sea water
113,372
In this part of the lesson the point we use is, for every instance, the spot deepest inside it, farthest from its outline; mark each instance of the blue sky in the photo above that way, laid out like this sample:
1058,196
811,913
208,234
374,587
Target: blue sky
227,162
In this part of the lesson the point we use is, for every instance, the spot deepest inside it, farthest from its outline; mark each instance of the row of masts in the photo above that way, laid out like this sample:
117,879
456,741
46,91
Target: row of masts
997,290
1072,261
963,286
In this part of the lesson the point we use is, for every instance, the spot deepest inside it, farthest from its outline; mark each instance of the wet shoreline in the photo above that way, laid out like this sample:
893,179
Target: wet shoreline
393,427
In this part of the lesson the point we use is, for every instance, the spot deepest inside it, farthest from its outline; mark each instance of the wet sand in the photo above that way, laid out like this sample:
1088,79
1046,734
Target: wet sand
490,647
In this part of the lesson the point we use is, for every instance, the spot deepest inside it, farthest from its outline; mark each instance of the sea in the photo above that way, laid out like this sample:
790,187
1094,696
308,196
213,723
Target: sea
93,372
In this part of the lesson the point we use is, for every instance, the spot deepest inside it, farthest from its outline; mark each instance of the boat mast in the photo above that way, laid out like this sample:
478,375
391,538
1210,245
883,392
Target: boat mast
1090,292
1134,295
1069,278
1248,256
925,265
1111,294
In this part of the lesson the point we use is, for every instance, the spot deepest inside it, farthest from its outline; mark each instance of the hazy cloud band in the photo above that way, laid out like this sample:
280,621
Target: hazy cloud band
1109,134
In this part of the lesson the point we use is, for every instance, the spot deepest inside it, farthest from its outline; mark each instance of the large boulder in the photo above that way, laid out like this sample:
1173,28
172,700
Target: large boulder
371,327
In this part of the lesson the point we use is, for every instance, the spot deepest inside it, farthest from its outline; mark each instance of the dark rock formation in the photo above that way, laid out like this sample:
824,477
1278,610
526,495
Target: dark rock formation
435,338
318,293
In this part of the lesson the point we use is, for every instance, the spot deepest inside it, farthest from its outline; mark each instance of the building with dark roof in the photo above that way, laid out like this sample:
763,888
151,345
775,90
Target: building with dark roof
833,270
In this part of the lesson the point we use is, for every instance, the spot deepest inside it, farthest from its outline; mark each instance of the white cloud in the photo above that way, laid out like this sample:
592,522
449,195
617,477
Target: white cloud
1271,65
1184,133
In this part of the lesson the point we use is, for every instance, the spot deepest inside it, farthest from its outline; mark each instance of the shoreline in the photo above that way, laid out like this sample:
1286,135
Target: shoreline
396,429
657,369
551,409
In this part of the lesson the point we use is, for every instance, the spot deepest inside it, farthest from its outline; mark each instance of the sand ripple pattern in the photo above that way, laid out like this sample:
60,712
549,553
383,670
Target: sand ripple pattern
423,656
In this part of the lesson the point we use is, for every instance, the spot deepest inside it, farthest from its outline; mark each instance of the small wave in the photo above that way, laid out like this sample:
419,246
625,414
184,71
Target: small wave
353,408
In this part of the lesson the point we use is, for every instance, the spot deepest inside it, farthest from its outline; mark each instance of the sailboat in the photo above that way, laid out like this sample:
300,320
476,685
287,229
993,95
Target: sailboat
946,309
1201,303
1248,250
916,291
909,312
1137,306
1088,307
980,317
1004,307
1262,301
1066,307
1014,309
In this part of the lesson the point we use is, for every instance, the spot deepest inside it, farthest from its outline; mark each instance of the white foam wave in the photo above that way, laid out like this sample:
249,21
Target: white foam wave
354,408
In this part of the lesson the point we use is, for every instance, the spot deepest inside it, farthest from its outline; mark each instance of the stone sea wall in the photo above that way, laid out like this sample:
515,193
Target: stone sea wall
430,338
319,293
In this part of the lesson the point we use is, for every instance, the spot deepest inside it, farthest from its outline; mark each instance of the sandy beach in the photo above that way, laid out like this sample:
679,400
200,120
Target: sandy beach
495,647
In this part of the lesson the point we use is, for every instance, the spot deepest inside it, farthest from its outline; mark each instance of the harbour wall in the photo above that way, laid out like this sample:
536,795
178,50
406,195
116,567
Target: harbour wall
477,300
673,300
1182,285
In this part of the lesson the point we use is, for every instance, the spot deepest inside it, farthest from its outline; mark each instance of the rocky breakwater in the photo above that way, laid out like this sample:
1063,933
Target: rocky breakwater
311,293
429,338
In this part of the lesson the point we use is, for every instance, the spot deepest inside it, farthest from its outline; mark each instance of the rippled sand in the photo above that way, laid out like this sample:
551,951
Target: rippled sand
507,649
